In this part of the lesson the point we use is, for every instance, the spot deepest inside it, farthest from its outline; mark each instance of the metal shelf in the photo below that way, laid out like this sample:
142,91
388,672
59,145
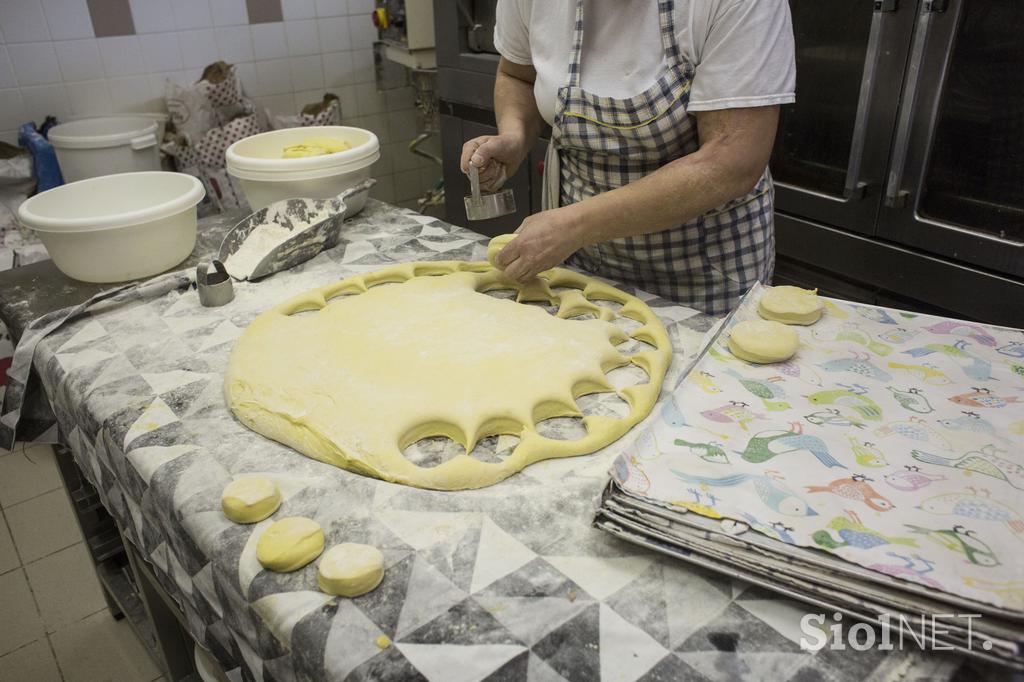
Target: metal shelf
120,585
105,545
129,586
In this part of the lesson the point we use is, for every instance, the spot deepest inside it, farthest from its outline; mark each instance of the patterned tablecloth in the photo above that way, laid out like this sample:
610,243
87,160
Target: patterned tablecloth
877,472
509,582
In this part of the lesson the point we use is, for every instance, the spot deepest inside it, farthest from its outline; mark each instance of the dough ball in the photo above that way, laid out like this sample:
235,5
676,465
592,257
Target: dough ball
290,544
330,145
350,569
791,305
249,499
315,146
763,341
496,245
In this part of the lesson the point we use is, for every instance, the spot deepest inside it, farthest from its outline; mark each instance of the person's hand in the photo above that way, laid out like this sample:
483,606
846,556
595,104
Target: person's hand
544,240
497,157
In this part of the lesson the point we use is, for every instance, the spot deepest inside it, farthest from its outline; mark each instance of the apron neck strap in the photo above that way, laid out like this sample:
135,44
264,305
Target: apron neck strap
577,46
667,25
667,22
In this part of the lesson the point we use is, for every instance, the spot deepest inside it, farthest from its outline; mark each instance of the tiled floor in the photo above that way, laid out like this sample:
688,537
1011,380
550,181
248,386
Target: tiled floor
55,623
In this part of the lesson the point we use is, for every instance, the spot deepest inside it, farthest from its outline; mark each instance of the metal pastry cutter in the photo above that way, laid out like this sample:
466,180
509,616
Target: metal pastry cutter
320,219
215,289
487,206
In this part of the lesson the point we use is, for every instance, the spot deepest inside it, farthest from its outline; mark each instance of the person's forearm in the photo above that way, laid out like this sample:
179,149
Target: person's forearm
515,108
727,165
674,194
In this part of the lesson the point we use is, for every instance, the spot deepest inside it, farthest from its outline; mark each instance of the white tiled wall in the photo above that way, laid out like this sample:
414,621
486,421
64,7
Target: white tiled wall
50,64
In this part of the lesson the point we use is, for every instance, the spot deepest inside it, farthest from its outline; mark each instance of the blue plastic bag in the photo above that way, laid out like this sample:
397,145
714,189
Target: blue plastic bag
44,159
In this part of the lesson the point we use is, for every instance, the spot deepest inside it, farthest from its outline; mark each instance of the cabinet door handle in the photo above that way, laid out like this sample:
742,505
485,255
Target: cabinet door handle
895,195
854,185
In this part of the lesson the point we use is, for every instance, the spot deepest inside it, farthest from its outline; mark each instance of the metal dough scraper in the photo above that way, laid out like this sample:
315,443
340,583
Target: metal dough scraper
286,233
487,206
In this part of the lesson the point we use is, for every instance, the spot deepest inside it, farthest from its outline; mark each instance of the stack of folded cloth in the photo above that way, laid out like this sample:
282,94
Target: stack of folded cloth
877,474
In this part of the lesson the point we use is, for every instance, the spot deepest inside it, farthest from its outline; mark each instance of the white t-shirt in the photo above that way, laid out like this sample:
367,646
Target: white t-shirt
742,50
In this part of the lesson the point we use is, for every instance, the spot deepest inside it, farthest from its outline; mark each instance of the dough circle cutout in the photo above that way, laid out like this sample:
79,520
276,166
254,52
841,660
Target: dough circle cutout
350,569
249,499
290,544
495,246
763,341
419,350
790,305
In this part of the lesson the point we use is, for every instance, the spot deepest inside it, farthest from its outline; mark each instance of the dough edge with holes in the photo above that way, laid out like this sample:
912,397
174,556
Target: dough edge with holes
495,246
763,341
350,569
273,390
289,544
250,498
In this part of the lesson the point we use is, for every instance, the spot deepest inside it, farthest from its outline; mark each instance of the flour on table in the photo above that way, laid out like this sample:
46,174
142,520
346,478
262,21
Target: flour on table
257,245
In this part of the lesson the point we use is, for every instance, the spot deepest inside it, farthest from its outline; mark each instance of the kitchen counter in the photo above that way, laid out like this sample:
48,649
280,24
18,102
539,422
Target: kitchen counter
31,291
507,582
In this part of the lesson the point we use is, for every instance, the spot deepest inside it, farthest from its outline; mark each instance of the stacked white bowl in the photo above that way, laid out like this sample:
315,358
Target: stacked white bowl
266,177
118,227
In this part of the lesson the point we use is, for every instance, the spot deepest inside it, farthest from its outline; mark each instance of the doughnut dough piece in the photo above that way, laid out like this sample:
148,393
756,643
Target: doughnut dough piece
495,246
249,499
791,305
290,544
350,569
763,341
381,360
315,146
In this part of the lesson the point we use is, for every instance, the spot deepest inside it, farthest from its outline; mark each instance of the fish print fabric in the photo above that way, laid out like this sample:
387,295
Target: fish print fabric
892,440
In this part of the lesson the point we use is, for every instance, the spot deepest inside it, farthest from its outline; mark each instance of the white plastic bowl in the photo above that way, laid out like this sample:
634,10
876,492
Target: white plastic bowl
117,227
266,177
91,147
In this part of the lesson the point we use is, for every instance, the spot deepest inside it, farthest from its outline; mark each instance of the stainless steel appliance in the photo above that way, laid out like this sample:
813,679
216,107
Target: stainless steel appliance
406,28
467,62
900,169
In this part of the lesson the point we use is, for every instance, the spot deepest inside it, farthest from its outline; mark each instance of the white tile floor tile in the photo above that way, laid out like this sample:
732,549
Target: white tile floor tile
43,525
33,662
101,649
26,473
59,590
20,624
9,559
65,587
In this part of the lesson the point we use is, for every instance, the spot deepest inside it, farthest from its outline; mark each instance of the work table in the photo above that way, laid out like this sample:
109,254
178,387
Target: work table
506,582
31,291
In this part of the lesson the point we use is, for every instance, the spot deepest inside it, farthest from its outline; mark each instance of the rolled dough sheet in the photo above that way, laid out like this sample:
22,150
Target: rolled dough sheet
495,246
354,372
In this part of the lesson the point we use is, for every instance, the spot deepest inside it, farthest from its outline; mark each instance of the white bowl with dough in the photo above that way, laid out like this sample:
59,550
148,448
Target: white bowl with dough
117,227
266,177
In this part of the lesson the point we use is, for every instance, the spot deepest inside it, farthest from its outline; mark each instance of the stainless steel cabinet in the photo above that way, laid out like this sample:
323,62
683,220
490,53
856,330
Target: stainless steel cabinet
832,146
956,177
906,146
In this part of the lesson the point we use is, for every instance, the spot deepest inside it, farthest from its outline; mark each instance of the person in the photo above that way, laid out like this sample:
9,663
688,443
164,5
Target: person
663,115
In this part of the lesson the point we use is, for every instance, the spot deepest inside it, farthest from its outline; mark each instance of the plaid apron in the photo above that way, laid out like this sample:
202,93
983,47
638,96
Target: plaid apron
600,143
